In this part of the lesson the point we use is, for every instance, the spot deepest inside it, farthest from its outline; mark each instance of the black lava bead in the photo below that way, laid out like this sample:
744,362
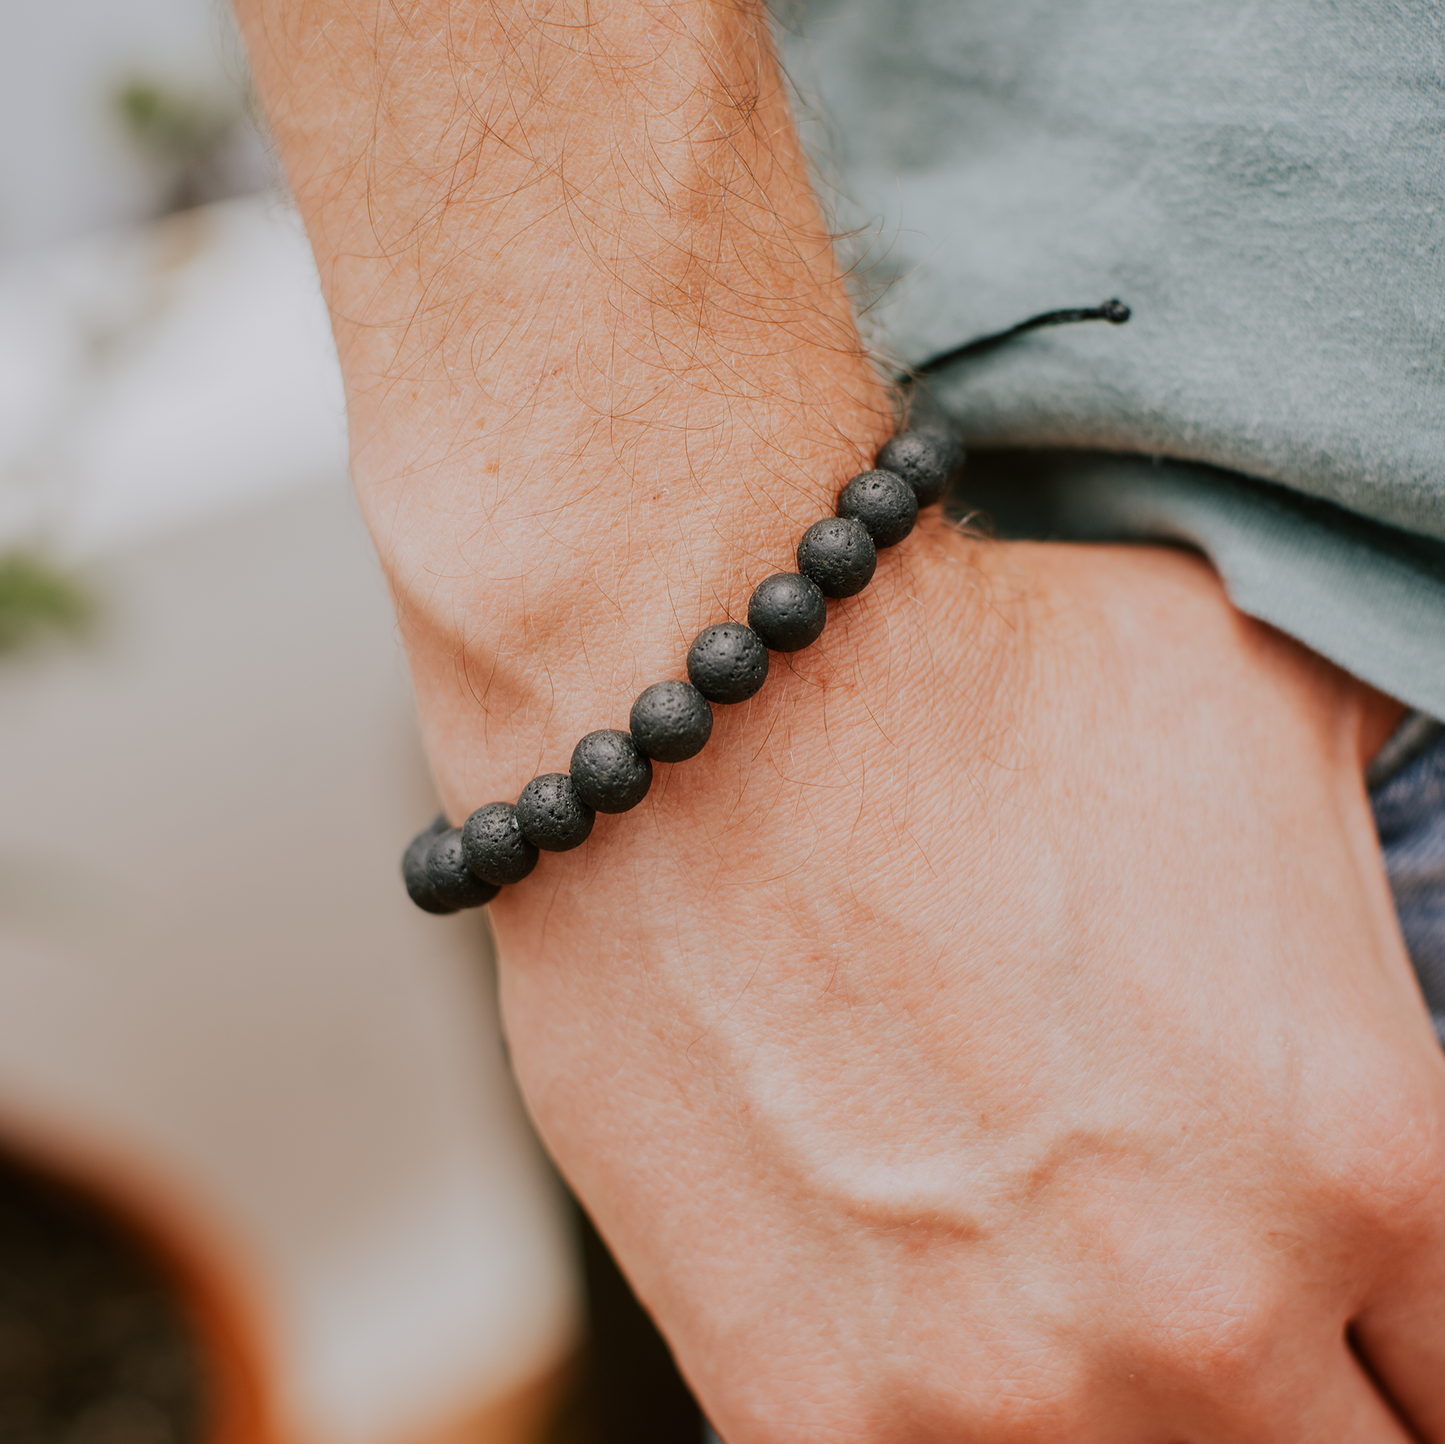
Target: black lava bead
839,555
453,883
552,816
727,663
928,459
413,869
883,502
671,721
609,771
494,846
788,612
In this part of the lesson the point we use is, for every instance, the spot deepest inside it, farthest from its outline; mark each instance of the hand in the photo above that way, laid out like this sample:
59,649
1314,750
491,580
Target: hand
1001,1030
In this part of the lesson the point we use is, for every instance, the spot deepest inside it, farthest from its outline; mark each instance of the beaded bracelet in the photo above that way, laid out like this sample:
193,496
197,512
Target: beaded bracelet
450,868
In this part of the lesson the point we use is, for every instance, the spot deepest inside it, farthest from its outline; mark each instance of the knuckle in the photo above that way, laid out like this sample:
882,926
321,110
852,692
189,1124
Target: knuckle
1394,1172
1210,1328
1221,1351
1034,1383
1025,1404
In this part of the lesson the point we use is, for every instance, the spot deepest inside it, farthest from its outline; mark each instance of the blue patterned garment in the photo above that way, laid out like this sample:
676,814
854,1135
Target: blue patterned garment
1407,790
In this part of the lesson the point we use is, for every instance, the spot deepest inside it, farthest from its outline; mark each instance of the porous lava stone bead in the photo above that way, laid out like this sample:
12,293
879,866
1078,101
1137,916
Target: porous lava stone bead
928,459
788,612
609,772
839,555
883,502
552,816
453,883
494,846
671,721
727,663
413,869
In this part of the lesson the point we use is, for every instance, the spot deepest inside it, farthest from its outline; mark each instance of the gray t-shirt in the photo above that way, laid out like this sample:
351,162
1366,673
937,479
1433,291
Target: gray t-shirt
1264,185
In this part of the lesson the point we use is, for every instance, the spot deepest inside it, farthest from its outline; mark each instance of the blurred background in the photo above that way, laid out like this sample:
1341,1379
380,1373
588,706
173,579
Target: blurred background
263,1174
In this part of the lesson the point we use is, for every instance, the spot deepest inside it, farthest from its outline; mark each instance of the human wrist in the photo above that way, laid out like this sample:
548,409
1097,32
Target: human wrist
512,670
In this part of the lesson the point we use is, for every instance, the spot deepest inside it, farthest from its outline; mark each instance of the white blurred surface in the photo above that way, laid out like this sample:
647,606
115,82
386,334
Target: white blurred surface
209,964
67,166
153,376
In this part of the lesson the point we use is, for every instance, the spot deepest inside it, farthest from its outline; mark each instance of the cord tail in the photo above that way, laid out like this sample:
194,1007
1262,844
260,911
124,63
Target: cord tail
1115,312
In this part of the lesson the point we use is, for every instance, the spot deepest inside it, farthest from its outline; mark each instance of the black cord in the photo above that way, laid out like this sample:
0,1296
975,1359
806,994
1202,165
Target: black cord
1115,312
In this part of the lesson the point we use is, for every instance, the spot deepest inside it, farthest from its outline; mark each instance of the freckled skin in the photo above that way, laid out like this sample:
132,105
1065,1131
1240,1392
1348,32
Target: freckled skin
1000,1030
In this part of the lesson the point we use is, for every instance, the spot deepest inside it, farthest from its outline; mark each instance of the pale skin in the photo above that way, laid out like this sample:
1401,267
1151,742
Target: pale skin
1001,1031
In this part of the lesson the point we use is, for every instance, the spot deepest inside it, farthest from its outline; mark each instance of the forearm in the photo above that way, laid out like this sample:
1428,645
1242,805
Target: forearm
601,366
